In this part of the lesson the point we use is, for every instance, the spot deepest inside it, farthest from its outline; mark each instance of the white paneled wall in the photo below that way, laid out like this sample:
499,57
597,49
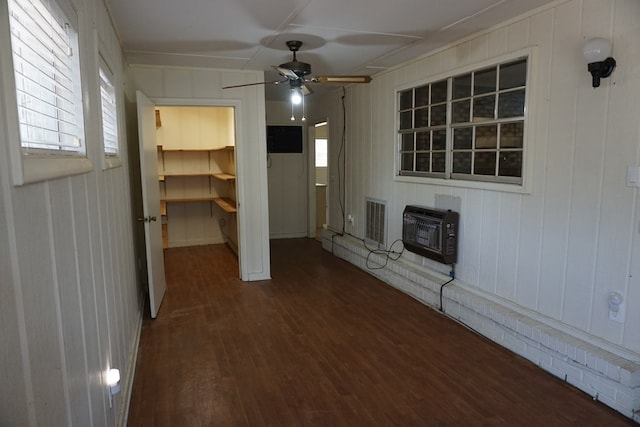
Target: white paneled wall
556,251
70,304
288,174
195,86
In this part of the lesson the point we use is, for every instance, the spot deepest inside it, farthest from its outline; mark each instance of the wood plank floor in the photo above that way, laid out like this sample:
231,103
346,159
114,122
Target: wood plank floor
325,344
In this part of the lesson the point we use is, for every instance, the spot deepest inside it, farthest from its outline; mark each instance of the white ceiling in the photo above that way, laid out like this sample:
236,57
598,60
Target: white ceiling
340,37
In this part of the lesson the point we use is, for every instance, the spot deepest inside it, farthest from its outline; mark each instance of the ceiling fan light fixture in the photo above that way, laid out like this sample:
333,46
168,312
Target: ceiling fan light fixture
296,96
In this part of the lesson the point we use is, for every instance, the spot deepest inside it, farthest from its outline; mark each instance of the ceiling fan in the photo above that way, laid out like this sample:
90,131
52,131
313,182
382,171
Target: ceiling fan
297,74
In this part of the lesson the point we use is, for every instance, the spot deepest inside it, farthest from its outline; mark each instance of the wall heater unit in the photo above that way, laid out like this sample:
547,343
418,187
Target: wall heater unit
432,233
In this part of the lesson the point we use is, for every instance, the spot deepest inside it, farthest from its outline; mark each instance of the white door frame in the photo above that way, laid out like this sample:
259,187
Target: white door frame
240,197
311,159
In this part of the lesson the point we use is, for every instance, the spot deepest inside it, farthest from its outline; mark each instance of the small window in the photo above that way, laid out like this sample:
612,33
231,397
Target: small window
46,129
109,111
469,126
44,44
321,153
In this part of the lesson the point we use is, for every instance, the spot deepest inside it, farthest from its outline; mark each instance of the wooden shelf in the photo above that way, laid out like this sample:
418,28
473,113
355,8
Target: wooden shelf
185,174
224,176
185,150
163,207
225,148
188,199
226,204
195,150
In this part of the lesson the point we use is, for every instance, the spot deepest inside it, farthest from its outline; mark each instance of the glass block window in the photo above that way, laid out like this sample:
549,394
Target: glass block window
469,126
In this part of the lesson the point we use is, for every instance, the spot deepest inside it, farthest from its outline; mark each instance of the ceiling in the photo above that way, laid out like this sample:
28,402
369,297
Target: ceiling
340,37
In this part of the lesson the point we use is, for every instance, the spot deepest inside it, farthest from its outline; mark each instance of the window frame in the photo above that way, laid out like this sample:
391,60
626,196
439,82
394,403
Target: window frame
448,178
40,165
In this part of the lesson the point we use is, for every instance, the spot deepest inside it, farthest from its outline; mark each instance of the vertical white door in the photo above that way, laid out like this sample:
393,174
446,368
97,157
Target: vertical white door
151,201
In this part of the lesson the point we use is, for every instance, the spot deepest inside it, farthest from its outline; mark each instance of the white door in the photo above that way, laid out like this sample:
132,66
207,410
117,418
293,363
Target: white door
151,201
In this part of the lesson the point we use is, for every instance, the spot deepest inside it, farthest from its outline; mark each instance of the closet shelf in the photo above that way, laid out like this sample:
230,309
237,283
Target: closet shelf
194,150
188,199
186,174
226,204
224,176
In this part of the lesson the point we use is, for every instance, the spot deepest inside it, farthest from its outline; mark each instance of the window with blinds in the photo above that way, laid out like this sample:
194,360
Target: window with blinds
47,72
109,111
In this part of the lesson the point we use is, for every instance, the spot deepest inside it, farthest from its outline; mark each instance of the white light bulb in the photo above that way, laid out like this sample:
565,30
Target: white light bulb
596,50
113,377
296,97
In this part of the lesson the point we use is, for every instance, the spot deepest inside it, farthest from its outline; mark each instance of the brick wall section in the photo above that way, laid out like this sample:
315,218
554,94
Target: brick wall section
607,377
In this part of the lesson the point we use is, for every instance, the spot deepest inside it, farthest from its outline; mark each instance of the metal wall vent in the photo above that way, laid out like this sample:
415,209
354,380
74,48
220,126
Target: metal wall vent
376,222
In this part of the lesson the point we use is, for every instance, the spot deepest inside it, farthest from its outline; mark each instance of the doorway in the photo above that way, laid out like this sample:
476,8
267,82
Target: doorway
180,149
321,165
197,175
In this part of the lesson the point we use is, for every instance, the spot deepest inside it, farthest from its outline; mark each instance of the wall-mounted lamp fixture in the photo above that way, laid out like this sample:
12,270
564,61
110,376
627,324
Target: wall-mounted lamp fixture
597,52
113,381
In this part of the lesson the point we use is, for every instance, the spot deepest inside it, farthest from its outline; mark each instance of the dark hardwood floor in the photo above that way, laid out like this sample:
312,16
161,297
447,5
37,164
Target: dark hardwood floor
325,344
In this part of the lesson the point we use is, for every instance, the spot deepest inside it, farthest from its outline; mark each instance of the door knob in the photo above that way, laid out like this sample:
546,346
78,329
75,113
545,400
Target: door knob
147,219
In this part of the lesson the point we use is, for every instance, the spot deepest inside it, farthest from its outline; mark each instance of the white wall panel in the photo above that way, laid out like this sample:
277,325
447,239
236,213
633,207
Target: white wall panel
489,213
287,177
518,35
94,341
65,253
561,247
559,161
531,238
508,248
73,307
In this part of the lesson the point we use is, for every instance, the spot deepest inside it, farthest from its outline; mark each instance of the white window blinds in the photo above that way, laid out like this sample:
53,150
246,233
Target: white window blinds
109,113
47,72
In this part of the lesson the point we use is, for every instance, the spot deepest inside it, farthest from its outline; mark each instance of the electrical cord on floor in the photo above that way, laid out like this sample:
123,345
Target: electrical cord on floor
453,276
389,254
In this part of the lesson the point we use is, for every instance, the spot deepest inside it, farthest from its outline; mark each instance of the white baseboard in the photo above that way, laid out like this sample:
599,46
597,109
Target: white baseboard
123,416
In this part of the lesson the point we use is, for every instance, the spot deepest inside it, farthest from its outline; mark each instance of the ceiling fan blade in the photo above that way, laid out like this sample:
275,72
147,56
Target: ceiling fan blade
277,82
306,90
286,72
342,79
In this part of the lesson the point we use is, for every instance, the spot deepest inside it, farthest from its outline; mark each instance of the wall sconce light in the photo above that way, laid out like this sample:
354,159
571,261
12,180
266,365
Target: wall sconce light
597,52
113,381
